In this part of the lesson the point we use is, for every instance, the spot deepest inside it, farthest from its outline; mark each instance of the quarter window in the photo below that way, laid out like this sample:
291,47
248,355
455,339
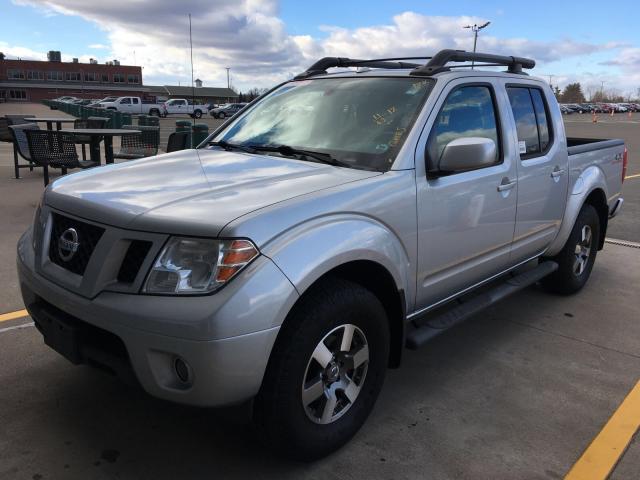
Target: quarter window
467,112
532,120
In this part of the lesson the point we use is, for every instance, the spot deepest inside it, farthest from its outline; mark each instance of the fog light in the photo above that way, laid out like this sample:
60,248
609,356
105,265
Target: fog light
182,370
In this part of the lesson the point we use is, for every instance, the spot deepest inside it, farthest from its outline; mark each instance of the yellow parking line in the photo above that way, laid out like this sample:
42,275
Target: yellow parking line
605,450
5,317
632,176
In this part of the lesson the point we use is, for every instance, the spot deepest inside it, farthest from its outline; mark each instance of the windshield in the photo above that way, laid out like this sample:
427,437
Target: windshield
360,122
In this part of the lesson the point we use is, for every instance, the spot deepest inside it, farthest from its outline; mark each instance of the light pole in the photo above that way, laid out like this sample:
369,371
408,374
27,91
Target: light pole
475,28
228,81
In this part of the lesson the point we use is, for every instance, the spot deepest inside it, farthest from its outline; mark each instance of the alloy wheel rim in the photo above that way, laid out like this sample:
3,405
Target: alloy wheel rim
335,374
582,251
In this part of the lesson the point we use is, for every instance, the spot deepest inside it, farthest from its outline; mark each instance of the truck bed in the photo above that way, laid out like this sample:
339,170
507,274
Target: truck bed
576,145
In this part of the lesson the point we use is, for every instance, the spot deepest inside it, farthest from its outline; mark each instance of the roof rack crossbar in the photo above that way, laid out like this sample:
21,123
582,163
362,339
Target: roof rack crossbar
321,66
439,61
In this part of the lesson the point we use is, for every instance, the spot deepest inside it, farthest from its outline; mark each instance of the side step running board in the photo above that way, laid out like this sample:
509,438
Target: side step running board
458,314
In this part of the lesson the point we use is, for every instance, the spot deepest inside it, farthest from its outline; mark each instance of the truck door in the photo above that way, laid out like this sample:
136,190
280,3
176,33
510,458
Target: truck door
465,218
542,171
136,106
125,105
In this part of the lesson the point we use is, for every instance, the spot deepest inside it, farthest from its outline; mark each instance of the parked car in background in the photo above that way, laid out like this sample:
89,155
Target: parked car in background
95,103
65,99
291,258
578,108
177,106
227,110
566,110
134,105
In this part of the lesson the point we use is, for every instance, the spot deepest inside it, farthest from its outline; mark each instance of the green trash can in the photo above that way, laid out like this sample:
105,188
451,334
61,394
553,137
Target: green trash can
142,120
184,126
199,131
153,121
126,119
116,122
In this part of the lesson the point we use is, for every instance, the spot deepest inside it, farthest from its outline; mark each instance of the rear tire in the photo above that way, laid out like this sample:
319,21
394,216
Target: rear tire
578,255
197,114
325,372
221,115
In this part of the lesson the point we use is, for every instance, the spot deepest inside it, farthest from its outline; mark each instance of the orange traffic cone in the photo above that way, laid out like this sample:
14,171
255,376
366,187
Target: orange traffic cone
594,117
629,114
611,114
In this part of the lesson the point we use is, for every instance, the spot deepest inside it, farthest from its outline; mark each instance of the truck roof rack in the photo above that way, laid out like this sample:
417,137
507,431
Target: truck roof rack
320,67
437,63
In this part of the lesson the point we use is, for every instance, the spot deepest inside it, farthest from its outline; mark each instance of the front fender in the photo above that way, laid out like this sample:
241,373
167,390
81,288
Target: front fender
311,249
592,178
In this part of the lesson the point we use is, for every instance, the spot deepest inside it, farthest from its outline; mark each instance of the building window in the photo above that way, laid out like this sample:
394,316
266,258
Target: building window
105,78
133,79
13,74
54,76
90,77
118,78
35,75
17,94
72,76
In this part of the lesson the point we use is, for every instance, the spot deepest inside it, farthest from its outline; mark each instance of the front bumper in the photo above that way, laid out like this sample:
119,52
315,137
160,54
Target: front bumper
224,368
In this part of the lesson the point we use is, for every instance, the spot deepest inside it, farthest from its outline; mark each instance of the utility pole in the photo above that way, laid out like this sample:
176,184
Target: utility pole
602,90
475,28
228,81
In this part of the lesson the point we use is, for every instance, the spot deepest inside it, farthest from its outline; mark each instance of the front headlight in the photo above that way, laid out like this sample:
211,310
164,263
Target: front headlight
188,266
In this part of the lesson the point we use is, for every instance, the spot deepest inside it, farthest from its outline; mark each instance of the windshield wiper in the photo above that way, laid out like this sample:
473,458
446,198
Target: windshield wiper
232,146
289,151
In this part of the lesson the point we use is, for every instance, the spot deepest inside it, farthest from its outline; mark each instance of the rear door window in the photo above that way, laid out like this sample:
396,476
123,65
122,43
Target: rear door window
532,121
525,117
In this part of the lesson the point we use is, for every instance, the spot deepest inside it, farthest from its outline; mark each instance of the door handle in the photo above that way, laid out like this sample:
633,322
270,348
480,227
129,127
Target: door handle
557,172
506,185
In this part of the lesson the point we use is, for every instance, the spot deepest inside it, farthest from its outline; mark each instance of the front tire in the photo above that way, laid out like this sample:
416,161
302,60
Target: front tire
325,372
576,259
221,115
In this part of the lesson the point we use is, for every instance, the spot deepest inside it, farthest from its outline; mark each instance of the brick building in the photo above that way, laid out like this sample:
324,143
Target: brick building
34,80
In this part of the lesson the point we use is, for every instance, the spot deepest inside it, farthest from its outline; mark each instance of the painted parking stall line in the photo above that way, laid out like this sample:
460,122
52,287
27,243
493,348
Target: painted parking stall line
602,455
5,317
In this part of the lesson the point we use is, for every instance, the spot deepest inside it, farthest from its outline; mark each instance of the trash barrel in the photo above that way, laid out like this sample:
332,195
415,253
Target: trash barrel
153,121
126,119
117,119
199,131
184,126
142,120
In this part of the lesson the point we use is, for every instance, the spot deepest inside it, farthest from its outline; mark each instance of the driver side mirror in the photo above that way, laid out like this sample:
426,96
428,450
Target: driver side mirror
467,153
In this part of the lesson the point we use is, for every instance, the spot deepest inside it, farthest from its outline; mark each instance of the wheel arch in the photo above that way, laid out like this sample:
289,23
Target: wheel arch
589,188
378,280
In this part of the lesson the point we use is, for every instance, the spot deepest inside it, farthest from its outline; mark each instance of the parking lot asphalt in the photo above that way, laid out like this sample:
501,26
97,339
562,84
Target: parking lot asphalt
518,391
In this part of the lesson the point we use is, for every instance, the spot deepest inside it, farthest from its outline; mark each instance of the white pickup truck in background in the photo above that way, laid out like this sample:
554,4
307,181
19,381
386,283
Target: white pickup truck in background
183,106
135,105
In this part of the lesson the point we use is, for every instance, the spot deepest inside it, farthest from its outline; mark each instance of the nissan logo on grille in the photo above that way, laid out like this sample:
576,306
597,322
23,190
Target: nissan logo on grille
68,244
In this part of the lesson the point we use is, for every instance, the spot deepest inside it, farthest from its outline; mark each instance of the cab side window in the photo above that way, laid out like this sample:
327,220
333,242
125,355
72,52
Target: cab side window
532,121
468,111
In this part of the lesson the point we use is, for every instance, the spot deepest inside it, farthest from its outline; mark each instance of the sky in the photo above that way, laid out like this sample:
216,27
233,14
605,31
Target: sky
267,41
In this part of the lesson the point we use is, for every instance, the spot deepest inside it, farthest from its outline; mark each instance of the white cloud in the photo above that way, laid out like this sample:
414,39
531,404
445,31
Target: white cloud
98,46
249,37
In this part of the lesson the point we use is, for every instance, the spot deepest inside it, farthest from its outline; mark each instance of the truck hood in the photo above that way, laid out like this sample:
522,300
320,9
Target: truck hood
191,192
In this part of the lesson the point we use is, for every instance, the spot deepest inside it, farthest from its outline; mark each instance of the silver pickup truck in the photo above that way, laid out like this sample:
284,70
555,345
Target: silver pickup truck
295,253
